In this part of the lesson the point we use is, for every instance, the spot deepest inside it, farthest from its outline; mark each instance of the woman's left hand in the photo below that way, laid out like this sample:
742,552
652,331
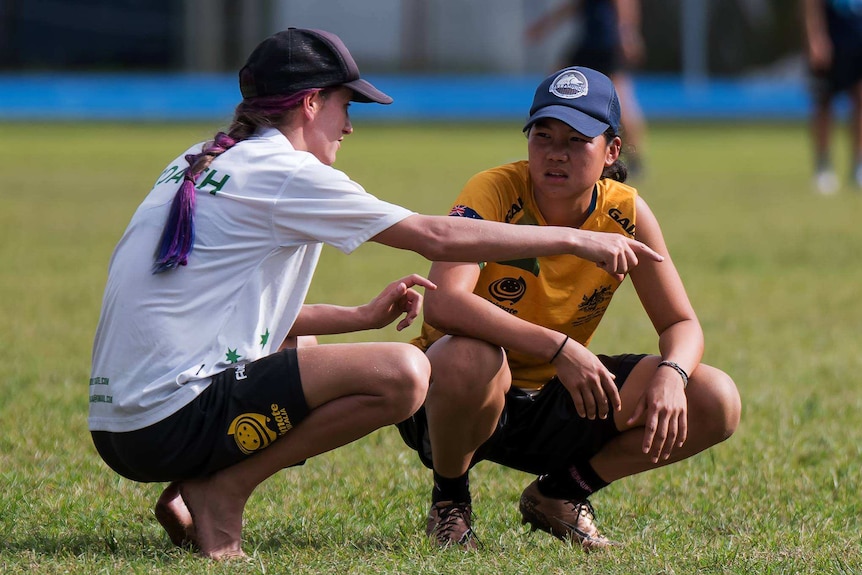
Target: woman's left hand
397,298
664,409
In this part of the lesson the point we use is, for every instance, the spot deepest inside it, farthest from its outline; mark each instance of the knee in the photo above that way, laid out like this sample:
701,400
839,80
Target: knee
720,403
465,371
730,405
409,384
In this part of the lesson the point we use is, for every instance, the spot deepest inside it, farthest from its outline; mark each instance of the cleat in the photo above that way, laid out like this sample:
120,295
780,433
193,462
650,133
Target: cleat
449,525
826,182
566,519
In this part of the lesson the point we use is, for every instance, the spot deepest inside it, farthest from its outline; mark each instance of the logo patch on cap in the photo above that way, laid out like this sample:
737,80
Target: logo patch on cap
569,85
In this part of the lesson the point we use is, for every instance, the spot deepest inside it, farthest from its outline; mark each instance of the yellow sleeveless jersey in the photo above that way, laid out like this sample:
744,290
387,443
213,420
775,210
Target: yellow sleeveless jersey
564,292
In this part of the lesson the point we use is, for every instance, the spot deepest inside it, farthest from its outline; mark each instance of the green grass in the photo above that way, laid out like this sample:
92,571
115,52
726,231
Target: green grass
773,270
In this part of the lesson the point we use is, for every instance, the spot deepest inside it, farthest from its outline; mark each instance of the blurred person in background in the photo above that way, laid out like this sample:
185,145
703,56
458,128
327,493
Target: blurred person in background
194,379
609,41
833,33
512,380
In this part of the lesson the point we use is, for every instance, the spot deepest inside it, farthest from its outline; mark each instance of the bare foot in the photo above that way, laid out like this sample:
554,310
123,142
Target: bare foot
217,519
174,517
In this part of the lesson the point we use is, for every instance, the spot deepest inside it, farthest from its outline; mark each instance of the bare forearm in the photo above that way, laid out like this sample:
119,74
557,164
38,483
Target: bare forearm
469,315
628,14
683,344
444,238
815,23
324,319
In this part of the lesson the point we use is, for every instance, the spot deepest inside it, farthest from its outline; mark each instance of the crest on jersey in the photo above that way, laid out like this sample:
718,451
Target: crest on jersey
569,85
508,289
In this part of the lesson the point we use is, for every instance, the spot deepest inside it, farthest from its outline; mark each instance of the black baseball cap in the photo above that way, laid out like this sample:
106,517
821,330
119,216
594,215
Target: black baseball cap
581,97
299,59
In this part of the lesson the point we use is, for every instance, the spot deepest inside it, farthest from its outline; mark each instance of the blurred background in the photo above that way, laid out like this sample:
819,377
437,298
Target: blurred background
440,59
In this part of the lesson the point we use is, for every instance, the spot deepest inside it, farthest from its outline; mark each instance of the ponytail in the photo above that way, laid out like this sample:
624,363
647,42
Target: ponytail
178,236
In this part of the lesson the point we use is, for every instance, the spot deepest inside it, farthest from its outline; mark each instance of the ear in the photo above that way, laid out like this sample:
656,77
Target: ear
613,152
311,105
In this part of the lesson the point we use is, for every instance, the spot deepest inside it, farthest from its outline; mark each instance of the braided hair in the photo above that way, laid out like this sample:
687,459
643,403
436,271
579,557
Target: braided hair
178,236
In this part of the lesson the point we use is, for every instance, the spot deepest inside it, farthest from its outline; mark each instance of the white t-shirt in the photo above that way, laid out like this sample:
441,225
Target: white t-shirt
263,212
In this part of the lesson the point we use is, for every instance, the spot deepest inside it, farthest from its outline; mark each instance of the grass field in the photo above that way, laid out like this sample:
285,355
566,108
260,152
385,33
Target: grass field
772,269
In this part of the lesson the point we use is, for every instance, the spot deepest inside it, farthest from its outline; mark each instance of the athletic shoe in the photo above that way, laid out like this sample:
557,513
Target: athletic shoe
449,525
565,519
826,182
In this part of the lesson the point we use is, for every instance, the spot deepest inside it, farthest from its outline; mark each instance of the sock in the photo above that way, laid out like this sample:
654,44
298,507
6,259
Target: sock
577,481
455,489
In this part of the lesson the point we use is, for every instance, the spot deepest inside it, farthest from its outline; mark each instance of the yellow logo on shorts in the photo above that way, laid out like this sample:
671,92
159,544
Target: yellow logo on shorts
250,432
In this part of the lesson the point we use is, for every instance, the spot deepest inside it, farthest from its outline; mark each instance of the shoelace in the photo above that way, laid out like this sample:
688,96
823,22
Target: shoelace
450,516
583,508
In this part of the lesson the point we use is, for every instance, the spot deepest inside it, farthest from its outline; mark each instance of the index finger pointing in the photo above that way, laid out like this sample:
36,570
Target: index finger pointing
417,280
648,251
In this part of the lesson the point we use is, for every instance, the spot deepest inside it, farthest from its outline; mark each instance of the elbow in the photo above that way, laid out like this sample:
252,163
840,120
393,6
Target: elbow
429,250
439,315
431,239
435,249
432,314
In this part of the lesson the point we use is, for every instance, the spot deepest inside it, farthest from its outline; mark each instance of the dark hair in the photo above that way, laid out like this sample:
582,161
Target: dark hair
618,170
178,236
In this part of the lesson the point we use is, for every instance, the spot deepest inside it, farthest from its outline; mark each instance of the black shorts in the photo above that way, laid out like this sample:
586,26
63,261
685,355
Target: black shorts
535,433
244,410
844,73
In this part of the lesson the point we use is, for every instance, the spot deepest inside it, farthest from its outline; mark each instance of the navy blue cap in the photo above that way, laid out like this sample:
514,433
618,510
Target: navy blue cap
298,59
581,97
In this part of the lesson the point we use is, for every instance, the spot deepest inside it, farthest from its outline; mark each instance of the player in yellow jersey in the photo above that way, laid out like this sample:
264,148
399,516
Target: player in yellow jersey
512,379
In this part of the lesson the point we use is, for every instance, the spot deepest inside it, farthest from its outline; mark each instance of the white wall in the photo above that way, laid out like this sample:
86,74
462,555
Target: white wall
371,29
450,35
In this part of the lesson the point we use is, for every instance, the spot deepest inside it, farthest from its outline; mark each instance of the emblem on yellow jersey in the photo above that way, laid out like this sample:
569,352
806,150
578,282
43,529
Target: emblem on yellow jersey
508,289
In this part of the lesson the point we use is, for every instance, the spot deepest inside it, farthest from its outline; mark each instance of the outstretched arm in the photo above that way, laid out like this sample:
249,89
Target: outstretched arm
396,299
447,238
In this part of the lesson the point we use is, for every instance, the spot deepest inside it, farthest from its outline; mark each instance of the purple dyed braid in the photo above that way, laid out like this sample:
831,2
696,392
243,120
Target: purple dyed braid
178,237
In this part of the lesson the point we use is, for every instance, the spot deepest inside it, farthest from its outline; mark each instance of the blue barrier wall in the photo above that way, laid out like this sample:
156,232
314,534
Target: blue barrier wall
161,97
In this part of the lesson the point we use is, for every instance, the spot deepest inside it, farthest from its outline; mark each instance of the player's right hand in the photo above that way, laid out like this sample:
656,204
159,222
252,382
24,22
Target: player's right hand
614,253
396,299
587,380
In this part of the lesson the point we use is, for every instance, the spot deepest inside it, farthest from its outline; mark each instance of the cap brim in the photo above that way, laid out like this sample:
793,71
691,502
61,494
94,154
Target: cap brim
586,125
364,92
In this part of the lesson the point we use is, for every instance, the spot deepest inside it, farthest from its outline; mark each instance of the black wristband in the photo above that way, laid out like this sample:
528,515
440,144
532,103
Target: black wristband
562,345
676,367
